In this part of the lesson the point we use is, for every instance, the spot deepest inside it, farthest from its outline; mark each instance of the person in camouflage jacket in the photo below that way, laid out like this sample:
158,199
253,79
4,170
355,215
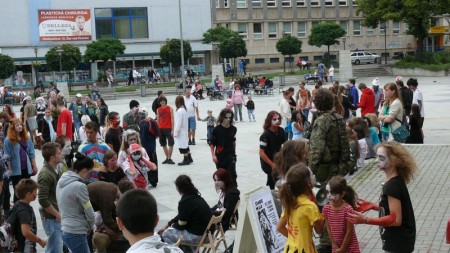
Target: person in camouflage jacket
329,142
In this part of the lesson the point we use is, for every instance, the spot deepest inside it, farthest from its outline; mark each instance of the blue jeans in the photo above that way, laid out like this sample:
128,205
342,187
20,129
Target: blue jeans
251,114
77,125
209,131
52,229
237,109
76,243
306,112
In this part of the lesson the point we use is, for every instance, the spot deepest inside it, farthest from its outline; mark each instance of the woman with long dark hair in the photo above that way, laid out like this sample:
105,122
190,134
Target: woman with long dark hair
102,111
180,131
193,216
19,153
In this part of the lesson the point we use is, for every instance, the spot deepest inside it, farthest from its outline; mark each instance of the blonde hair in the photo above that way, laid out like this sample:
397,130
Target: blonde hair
126,135
292,152
85,119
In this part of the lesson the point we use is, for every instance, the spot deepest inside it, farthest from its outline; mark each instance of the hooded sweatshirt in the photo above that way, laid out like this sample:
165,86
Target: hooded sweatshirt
77,214
367,103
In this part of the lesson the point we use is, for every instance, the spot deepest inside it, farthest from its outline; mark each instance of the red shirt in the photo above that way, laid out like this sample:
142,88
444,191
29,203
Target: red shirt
164,118
367,102
65,117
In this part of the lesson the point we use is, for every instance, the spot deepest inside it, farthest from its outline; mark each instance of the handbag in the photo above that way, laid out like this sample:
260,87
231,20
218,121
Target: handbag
401,133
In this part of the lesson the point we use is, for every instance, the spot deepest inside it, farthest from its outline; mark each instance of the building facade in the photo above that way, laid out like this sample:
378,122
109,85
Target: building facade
261,23
32,27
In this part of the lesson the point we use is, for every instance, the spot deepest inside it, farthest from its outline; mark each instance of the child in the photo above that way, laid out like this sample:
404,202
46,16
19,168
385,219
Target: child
250,109
354,146
139,166
297,125
300,213
22,218
363,148
137,218
415,126
112,172
210,124
229,104
342,199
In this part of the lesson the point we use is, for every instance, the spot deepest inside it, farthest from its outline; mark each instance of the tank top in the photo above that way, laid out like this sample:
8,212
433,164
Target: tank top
295,133
165,120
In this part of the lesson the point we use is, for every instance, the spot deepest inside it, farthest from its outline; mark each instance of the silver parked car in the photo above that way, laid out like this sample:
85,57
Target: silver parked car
359,57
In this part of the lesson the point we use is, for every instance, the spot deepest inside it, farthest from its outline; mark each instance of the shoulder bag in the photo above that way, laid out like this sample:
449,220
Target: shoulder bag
401,133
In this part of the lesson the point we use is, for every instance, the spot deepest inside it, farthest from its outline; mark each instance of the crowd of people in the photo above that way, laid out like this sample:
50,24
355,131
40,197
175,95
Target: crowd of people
98,167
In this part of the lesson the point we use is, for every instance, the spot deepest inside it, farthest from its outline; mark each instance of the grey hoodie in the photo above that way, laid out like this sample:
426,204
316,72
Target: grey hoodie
77,214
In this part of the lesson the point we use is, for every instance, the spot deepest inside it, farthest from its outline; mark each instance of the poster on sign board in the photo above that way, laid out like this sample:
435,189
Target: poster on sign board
65,25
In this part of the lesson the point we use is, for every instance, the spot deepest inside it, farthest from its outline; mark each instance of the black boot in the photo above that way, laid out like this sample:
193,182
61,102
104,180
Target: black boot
190,158
193,141
185,161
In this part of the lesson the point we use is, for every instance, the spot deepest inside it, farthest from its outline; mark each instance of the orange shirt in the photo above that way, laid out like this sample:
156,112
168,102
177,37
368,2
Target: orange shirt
164,118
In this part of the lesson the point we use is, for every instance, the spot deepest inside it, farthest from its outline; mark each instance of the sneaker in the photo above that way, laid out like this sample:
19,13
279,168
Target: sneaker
193,142
170,161
165,161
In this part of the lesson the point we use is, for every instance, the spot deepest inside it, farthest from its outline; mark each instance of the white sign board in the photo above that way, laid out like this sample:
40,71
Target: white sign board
257,231
217,70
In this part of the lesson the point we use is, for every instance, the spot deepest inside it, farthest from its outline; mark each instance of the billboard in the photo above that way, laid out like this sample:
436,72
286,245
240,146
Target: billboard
64,25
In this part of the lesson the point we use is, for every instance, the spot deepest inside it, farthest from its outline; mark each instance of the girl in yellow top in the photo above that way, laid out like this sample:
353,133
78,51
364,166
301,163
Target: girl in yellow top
300,214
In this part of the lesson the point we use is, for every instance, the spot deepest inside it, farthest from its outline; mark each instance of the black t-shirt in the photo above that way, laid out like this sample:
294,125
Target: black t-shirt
271,143
112,177
114,137
401,238
223,138
292,103
22,213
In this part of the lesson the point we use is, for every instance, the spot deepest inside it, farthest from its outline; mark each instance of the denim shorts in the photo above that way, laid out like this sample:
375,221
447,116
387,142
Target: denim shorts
192,123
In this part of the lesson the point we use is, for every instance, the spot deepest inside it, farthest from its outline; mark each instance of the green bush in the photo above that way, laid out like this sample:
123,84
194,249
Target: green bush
433,61
101,75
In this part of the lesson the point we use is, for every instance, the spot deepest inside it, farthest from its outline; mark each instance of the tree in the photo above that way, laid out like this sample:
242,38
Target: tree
289,45
232,48
325,34
70,57
103,50
6,66
415,13
171,51
218,34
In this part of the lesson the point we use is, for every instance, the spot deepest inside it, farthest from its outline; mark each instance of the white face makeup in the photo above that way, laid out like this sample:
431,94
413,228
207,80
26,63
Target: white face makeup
66,149
331,196
382,158
227,119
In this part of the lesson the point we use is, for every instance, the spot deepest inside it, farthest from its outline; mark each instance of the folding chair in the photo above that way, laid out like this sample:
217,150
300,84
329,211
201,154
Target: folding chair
211,240
234,217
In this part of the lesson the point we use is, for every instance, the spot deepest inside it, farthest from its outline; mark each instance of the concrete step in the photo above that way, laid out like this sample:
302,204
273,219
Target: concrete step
380,71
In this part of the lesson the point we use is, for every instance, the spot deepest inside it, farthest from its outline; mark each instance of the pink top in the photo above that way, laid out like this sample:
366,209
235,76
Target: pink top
337,220
238,97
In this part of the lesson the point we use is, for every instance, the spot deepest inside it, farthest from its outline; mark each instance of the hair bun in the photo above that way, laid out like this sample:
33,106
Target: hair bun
79,156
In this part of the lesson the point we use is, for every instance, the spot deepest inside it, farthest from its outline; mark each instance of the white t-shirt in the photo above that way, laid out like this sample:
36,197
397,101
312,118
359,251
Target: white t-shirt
331,71
416,97
191,103
153,244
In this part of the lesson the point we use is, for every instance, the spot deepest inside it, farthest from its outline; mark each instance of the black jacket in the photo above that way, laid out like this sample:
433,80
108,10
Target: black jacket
193,210
229,202
44,128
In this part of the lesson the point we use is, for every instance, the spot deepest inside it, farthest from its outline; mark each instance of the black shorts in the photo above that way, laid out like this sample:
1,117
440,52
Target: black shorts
165,137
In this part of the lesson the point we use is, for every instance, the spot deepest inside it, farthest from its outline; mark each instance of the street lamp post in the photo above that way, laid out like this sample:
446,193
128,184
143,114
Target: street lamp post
385,44
344,39
36,49
59,50
182,47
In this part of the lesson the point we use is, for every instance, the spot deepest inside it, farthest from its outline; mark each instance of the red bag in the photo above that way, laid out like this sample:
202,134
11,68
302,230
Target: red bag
140,182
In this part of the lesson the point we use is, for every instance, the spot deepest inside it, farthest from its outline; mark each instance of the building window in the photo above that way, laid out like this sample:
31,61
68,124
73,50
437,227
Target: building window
344,25
241,3
272,29
271,3
300,2
314,23
256,3
315,2
369,31
121,23
225,3
286,3
274,60
383,28
287,28
257,31
317,57
395,27
289,59
242,30
259,60
301,29
354,3
342,2
217,3
356,27
329,2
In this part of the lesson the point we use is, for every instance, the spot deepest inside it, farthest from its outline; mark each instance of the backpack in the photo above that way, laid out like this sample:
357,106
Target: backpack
7,236
347,161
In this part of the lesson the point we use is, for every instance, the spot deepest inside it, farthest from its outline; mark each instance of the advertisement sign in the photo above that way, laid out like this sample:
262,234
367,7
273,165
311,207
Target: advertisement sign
64,25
